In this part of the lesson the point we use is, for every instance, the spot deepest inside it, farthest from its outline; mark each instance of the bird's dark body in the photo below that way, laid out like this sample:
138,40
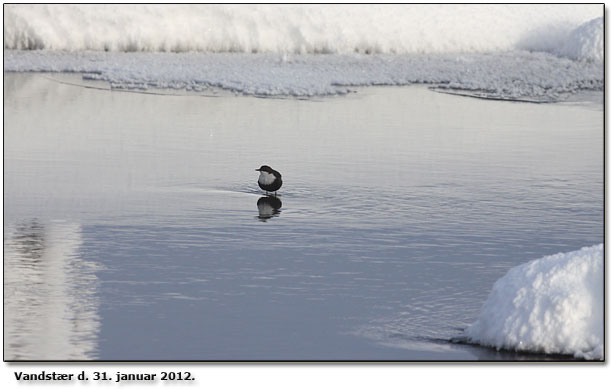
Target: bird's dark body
274,185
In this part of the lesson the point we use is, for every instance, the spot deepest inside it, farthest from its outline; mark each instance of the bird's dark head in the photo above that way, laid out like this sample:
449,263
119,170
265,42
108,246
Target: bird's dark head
264,168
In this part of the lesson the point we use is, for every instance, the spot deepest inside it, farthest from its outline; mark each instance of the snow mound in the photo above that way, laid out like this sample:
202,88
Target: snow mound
552,305
586,42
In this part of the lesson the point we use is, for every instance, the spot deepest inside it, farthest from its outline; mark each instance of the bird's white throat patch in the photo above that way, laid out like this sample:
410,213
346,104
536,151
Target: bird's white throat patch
266,178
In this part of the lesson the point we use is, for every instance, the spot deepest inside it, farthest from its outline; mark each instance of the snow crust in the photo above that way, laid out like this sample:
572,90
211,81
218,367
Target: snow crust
551,305
518,75
308,29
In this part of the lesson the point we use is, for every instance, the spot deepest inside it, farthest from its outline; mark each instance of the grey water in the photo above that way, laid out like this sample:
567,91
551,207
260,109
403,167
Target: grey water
132,229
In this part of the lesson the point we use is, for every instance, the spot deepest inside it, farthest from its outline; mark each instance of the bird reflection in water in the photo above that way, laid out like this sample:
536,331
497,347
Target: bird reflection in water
268,207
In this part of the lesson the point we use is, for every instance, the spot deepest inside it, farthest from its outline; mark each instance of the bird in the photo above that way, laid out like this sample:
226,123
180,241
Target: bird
270,179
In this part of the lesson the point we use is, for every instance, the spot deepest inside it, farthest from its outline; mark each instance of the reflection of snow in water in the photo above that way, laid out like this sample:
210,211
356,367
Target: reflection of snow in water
51,308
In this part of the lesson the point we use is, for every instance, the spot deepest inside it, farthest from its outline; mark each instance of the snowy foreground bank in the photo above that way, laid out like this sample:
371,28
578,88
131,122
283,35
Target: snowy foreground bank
551,305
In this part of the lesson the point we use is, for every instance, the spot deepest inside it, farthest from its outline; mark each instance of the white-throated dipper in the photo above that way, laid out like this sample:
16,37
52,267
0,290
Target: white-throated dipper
270,179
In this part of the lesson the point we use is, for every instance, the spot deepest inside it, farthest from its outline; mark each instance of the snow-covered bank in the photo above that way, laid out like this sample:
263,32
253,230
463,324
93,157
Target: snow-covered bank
302,29
511,75
534,52
551,305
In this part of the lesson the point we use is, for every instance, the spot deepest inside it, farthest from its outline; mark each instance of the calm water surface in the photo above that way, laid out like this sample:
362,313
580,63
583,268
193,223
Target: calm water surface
132,228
